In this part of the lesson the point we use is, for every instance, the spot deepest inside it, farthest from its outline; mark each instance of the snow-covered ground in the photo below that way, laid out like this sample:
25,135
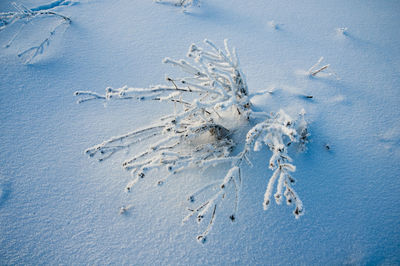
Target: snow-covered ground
57,206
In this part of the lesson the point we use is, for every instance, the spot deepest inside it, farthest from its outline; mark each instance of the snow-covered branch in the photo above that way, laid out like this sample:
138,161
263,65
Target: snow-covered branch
215,78
317,68
214,108
25,16
179,3
277,133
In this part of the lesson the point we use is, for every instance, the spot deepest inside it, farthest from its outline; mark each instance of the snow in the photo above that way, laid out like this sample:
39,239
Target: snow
57,206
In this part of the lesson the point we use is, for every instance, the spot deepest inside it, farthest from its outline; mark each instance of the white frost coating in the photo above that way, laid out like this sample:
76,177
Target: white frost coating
25,15
270,187
317,68
277,132
212,104
179,3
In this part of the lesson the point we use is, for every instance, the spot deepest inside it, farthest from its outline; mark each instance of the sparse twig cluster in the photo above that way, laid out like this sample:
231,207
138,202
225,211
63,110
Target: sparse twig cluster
24,15
179,3
213,106
317,68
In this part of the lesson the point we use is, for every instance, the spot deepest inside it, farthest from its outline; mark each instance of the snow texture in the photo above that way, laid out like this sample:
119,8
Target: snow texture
59,207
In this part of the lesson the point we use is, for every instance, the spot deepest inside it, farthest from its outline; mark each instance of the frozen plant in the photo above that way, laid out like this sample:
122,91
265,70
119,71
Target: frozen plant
180,3
317,68
24,15
212,109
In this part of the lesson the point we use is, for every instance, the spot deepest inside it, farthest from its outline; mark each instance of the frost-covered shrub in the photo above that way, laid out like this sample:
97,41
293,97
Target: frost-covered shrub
23,16
206,131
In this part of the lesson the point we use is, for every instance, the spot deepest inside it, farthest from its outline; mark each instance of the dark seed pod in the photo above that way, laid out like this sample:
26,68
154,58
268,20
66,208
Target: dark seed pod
201,239
327,147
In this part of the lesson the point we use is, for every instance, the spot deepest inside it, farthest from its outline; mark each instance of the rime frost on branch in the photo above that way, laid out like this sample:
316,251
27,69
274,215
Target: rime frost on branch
23,16
204,131
278,132
179,3
317,69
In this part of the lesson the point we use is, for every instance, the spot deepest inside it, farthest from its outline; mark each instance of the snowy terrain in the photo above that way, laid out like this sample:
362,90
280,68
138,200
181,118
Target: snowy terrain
57,206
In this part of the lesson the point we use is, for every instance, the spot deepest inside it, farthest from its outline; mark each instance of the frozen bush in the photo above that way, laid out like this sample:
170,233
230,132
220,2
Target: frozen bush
215,108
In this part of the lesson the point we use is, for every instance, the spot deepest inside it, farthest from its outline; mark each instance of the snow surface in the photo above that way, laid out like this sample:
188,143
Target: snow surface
59,207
